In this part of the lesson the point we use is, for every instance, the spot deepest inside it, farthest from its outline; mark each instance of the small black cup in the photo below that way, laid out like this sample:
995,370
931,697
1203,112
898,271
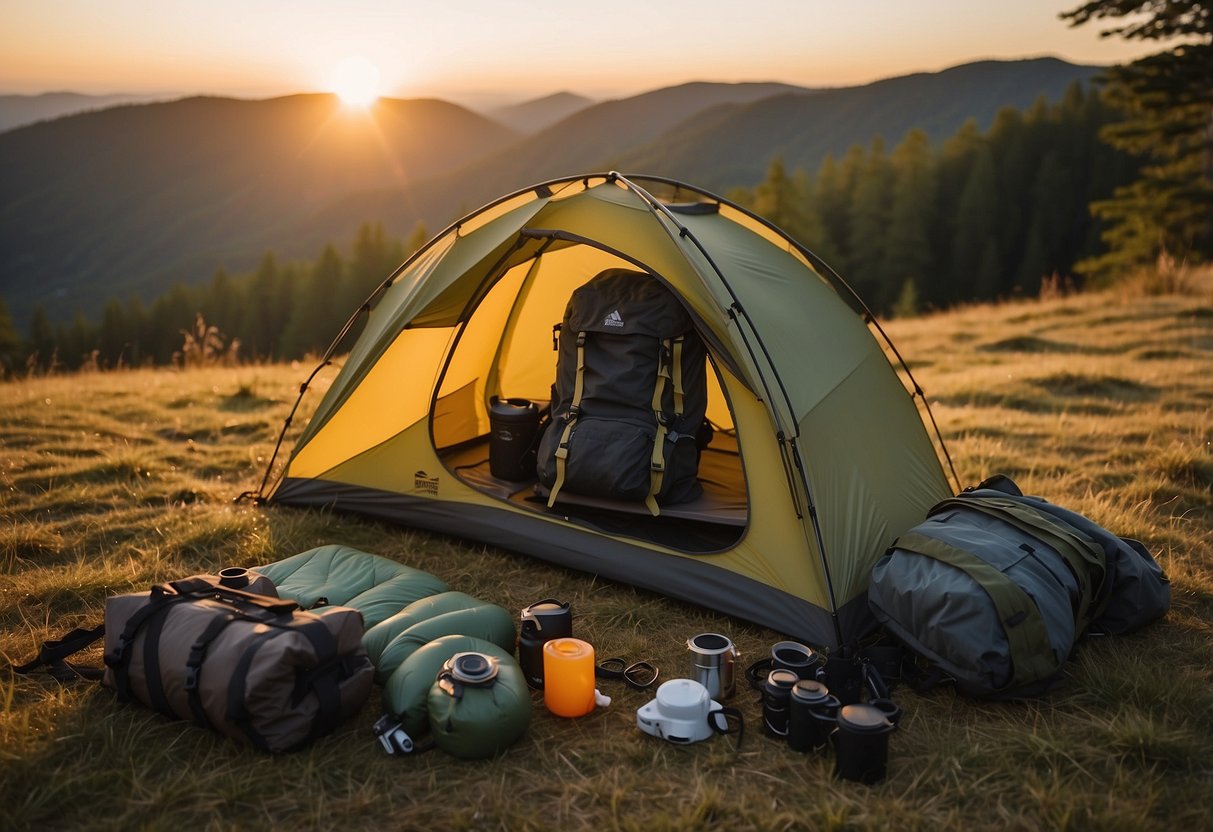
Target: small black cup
862,743
776,694
542,621
234,577
811,716
796,657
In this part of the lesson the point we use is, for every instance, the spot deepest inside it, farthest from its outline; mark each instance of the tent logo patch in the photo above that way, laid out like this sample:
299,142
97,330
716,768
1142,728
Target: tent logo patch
613,319
425,484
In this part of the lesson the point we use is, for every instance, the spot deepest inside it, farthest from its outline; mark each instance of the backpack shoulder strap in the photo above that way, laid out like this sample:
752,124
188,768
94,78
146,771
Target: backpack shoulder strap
562,450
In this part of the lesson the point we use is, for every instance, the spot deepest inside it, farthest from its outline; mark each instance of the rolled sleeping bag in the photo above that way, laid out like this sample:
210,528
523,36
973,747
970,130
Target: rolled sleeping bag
477,718
377,638
408,688
489,622
343,576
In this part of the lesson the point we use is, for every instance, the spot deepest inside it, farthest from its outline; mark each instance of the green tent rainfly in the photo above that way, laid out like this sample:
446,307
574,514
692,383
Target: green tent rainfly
819,458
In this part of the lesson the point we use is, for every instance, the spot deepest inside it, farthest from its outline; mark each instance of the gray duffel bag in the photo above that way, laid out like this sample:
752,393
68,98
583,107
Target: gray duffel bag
995,588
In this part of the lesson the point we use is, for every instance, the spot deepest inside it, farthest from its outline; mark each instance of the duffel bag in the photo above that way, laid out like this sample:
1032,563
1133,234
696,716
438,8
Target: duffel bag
995,588
253,667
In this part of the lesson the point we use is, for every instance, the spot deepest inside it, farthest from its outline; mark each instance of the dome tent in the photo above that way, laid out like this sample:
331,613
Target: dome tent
818,461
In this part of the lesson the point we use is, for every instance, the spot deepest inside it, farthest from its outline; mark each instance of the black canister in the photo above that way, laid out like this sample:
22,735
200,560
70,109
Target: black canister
844,677
513,426
811,716
776,693
796,657
542,621
862,743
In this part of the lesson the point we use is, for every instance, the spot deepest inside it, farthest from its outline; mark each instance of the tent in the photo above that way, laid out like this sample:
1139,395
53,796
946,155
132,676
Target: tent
820,455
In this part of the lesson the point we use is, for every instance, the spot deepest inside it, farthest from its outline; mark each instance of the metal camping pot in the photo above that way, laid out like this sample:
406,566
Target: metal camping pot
712,663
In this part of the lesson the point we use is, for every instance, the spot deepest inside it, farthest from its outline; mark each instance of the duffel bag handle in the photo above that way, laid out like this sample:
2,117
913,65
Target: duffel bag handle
210,585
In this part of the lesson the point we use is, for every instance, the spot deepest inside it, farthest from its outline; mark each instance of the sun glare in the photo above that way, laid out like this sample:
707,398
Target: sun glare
355,80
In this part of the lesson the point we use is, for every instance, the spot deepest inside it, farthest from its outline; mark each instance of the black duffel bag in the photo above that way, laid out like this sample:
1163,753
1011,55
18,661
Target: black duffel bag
253,667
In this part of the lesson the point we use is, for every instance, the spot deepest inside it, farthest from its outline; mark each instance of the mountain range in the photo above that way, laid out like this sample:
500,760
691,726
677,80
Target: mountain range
122,201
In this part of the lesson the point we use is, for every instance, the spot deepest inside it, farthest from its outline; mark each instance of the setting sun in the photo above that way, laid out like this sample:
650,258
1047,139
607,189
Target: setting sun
355,80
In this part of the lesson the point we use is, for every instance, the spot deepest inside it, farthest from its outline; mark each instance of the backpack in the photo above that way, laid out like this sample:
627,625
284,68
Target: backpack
995,588
630,395
254,667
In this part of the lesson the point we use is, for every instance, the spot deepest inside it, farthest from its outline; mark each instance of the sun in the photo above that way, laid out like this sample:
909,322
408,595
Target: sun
355,80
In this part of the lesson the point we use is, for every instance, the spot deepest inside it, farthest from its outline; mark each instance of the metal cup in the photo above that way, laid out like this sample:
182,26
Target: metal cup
712,663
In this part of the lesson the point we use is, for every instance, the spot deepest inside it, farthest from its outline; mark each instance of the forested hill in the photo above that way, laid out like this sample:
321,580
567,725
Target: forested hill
731,145
125,201
122,201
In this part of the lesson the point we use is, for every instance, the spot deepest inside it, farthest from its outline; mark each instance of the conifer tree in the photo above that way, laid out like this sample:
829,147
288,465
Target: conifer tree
869,222
314,317
974,262
41,338
1167,100
260,328
113,336
908,255
10,342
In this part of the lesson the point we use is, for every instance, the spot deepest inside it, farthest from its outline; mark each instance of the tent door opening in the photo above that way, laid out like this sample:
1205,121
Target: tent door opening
504,352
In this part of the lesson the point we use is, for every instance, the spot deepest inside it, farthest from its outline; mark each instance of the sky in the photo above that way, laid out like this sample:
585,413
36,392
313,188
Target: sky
478,51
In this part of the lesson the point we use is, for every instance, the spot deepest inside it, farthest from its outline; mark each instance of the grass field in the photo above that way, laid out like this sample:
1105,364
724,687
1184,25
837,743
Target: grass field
1100,402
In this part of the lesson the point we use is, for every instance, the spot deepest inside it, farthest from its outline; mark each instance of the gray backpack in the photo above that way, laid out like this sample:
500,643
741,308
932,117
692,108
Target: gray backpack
630,395
995,588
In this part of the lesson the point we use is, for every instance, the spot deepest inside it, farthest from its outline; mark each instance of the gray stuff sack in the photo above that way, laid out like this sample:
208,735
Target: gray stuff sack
995,588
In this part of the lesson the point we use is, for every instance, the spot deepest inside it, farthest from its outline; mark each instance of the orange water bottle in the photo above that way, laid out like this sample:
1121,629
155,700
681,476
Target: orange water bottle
568,676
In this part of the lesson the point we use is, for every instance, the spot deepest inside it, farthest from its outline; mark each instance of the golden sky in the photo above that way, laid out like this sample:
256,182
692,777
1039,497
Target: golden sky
465,49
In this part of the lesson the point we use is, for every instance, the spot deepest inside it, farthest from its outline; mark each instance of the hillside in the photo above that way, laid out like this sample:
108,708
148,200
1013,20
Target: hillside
19,110
122,201
730,145
1101,403
539,113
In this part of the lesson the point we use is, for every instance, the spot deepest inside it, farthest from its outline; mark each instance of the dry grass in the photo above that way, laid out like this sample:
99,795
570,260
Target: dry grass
1099,402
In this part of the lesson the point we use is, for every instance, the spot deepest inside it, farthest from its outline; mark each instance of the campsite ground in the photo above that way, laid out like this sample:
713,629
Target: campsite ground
1100,402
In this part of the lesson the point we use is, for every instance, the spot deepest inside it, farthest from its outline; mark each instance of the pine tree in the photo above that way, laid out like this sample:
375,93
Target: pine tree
975,240
113,336
42,339
908,254
220,304
314,318
1167,100
260,330
10,342
869,222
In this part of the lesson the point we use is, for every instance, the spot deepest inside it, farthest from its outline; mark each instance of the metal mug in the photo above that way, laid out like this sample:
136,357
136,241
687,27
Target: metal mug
713,658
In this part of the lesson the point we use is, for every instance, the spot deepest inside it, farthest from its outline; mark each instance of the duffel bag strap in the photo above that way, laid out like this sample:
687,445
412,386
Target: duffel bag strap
206,585
54,653
562,450
1031,653
1083,555
193,666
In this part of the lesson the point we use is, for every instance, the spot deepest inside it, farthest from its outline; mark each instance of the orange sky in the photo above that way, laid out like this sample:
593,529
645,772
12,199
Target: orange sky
516,48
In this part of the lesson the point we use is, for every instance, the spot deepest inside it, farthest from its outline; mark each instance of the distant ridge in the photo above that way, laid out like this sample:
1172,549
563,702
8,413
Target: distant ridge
732,145
19,110
126,200
538,113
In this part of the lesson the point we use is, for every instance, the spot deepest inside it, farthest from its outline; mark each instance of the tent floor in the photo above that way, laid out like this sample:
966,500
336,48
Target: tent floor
712,523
